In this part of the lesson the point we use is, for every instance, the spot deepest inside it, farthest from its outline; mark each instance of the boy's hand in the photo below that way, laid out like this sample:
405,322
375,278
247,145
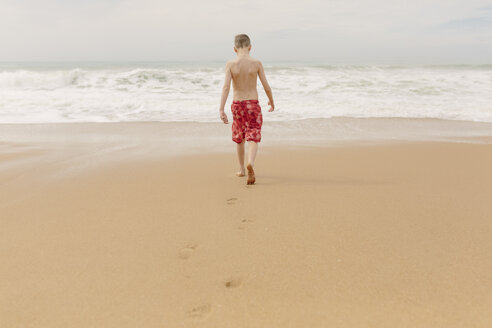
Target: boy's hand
272,106
223,117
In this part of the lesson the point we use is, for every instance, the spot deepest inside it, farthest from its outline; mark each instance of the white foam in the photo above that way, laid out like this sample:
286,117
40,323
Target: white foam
162,93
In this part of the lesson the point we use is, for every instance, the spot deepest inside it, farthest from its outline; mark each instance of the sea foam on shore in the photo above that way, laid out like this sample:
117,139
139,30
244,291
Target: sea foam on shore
190,92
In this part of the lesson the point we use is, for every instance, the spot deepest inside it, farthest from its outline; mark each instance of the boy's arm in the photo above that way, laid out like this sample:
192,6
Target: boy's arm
225,93
266,86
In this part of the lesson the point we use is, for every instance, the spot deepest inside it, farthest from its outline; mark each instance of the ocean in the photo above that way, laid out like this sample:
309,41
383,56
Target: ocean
190,92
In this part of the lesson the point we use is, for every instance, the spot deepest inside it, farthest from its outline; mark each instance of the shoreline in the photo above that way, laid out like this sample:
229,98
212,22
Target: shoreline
63,149
317,131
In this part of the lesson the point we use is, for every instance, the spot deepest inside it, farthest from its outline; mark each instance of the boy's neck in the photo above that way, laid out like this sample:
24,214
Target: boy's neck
242,52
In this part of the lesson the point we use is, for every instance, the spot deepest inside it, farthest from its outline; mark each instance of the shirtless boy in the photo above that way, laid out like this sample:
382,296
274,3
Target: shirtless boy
246,111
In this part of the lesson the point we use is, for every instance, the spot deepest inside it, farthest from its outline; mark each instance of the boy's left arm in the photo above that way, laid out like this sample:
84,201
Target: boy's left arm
225,93
266,86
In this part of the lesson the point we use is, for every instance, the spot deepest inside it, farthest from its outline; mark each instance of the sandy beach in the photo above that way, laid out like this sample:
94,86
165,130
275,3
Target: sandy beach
107,233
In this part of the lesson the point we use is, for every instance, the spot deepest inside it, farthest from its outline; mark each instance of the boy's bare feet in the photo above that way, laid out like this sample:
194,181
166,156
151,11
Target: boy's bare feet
241,172
251,175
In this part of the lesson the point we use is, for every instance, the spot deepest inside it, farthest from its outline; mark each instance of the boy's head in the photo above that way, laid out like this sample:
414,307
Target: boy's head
241,41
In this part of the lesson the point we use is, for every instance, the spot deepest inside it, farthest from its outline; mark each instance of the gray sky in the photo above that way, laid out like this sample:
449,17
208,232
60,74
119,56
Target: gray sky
378,31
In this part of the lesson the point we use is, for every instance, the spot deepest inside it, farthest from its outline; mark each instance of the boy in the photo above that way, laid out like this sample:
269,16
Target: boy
246,111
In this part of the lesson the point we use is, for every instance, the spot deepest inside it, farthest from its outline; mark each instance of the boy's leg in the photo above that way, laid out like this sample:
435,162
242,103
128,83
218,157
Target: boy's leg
253,136
252,149
240,157
238,135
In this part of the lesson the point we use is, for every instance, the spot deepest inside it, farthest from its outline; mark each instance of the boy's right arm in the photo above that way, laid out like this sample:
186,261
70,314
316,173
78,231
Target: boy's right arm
225,92
266,87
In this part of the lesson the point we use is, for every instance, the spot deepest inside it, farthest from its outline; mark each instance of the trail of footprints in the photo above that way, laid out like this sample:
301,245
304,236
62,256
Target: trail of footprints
244,222
187,251
202,311
199,312
231,201
233,282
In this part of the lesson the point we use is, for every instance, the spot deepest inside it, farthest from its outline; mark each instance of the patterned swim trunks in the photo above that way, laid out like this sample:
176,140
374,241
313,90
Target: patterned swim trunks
247,120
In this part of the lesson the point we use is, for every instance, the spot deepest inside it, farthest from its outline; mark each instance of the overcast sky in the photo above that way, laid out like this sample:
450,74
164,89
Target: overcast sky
378,31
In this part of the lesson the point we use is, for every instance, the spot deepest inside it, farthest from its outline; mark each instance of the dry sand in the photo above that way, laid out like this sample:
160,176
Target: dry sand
396,235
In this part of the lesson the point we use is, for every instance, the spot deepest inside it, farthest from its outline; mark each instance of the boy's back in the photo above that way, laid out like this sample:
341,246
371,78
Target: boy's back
244,71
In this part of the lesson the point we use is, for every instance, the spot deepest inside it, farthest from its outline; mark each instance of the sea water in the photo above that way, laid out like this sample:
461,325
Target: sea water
190,91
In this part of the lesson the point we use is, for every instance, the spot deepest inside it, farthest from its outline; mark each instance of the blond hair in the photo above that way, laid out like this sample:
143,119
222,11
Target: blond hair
241,40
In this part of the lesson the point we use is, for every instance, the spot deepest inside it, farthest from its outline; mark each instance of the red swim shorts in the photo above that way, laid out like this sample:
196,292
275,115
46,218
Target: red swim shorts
247,120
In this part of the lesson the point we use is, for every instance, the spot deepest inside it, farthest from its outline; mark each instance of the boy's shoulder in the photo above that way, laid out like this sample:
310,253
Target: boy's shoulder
234,61
255,60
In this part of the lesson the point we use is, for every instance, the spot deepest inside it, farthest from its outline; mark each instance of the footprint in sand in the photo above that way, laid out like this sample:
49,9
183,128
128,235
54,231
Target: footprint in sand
233,282
199,312
187,251
245,223
231,201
